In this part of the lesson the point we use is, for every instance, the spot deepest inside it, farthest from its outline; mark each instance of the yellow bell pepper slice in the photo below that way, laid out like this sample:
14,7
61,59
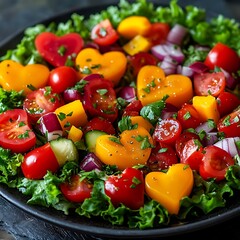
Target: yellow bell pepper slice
75,134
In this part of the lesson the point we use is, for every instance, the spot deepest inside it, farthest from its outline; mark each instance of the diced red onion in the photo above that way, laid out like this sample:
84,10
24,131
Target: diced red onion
184,70
128,93
210,138
206,127
70,95
168,65
49,126
229,145
91,162
177,34
231,82
198,67
169,111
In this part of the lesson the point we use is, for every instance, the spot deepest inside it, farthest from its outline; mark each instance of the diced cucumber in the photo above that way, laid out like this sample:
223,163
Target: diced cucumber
64,150
91,138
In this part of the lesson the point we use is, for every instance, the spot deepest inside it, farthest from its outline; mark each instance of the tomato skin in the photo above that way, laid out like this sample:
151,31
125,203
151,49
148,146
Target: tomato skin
162,157
230,124
124,189
37,162
76,190
167,131
192,154
188,116
224,57
104,34
101,124
209,83
61,78
137,61
158,33
100,104
227,102
41,101
133,108
215,163
15,132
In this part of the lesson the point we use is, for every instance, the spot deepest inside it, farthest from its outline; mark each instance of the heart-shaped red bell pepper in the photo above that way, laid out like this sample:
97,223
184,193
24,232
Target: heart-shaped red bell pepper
126,188
58,50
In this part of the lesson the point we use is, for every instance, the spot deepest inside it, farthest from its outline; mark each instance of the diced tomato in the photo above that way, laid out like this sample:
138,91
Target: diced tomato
188,116
215,163
15,131
104,34
209,83
224,57
133,108
41,101
167,131
100,99
76,190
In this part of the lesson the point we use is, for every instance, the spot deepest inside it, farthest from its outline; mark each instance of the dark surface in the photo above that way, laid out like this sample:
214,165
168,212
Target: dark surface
15,223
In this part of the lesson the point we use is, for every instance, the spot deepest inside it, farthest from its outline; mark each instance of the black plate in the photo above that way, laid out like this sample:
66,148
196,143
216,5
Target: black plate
97,227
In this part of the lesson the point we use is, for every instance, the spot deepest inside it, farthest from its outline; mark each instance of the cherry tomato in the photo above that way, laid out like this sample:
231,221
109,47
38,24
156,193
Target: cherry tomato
188,116
215,163
162,157
104,34
227,102
61,78
167,131
137,61
209,83
158,33
182,139
15,132
224,57
41,101
230,124
192,154
100,99
76,190
101,124
35,166
133,108
126,188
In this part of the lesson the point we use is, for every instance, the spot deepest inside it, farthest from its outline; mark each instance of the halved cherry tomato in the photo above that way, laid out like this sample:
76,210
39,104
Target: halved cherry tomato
183,138
76,190
61,78
209,83
162,157
230,124
215,163
15,132
137,61
100,99
224,57
133,108
167,131
41,101
126,188
192,154
101,124
158,33
188,116
104,34
227,102
37,162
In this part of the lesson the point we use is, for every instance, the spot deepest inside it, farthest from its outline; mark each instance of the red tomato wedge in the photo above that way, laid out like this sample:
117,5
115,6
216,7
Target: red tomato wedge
209,83
15,132
58,50
215,163
224,57
104,34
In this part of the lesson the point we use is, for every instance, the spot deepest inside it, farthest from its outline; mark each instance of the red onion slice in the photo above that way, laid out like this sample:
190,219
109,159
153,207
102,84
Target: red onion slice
229,145
177,34
91,162
128,93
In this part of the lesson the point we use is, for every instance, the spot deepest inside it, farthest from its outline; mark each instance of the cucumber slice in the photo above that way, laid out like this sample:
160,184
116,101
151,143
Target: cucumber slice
64,150
91,138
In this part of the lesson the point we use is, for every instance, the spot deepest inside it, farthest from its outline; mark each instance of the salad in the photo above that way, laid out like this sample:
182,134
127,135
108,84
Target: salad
130,115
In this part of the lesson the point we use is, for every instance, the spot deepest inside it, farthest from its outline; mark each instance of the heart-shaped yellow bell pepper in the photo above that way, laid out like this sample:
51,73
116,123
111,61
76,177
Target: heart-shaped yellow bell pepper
14,76
153,85
170,187
133,147
111,65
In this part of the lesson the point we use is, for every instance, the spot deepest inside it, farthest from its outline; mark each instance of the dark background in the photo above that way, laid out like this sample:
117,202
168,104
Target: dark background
15,15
